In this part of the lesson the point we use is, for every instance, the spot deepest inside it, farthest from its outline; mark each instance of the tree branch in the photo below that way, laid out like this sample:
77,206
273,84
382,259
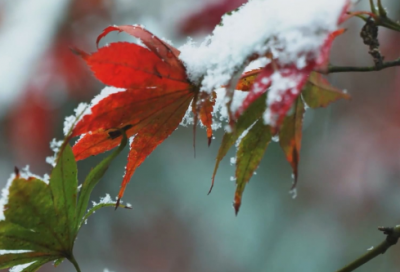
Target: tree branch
341,69
392,236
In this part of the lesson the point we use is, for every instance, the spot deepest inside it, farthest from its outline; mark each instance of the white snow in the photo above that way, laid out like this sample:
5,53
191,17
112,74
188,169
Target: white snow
2,251
220,113
71,120
55,147
293,193
104,200
21,267
292,30
4,196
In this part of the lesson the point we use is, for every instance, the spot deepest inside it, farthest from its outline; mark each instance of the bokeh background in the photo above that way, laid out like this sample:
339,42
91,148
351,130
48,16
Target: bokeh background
349,169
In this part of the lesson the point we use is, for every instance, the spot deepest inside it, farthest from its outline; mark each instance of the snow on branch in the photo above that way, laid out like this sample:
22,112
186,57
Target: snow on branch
292,30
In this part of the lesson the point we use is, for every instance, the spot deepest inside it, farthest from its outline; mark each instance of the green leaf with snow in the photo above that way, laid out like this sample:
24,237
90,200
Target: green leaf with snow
251,115
39,219
249,154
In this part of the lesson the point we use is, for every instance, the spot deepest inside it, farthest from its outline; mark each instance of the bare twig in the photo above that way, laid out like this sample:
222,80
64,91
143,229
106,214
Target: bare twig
392,236
341,69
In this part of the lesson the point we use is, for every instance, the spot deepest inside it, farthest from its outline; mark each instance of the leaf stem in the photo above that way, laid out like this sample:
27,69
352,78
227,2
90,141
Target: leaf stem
393,234
341,69
74,262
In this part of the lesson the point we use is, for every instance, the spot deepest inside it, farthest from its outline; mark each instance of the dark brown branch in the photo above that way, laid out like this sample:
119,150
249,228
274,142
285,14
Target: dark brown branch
392,236
342,69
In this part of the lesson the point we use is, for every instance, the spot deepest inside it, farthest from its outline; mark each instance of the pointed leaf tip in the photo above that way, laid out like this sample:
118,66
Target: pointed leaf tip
249,154
290,137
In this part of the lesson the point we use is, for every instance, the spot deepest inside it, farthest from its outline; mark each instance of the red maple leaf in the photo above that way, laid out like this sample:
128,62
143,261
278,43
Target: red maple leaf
156,97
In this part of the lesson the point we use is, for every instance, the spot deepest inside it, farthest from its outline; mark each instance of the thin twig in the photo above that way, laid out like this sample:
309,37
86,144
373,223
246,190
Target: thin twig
342,69
392,236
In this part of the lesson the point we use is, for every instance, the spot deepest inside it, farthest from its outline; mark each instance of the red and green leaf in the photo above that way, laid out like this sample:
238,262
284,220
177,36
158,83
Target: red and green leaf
251,115
249,154
319,93
290,136
156,98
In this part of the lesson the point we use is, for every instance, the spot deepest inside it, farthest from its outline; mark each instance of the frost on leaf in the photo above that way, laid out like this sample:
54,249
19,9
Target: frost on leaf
40,221
297,40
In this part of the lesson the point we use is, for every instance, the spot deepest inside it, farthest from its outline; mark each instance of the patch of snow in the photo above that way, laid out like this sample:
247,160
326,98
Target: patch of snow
131,139
2,251
293,193
292,31
243,135
104,200
21,267
70,121
55,146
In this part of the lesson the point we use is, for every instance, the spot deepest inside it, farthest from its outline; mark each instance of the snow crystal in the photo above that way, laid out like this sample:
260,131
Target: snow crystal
280,85
85,109
243,135
293,31
220,112
275,138
293,193
55,146
233,178
21,267
131,139
233,160
4,196
104,200
25,173
2,251
71,120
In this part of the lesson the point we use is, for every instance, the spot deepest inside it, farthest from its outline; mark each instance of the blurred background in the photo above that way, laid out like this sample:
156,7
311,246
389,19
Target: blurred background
349,168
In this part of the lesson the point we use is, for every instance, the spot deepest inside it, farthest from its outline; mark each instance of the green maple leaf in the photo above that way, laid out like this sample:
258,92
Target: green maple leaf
42,220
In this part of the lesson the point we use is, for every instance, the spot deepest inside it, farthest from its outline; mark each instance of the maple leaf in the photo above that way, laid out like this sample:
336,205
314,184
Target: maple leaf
317,92
156,97
290,136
